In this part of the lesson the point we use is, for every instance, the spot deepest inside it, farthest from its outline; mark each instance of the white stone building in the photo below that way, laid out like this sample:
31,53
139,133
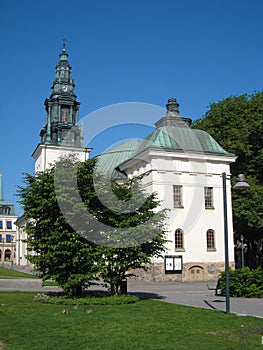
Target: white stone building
8,231
184,166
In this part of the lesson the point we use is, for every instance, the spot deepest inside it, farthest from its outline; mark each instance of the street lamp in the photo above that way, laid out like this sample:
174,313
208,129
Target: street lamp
240,185
242,251
3,252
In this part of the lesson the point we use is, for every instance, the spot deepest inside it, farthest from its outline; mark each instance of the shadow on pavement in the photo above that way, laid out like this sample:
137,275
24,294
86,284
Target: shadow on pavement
212,306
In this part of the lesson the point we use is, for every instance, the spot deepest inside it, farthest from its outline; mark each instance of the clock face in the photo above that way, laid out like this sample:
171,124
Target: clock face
64,88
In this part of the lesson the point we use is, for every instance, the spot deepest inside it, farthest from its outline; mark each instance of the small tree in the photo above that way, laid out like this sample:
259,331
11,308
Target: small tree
57,251
77,238
143,225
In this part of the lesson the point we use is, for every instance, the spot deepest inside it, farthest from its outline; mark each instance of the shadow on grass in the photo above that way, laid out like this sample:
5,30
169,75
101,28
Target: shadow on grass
147,295
99,293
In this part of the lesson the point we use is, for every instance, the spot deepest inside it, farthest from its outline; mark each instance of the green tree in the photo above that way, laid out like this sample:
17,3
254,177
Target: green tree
237,124
77,237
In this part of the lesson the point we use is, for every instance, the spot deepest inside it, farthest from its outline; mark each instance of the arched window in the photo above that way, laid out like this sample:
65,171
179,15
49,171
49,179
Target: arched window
179,240
7,255
210,240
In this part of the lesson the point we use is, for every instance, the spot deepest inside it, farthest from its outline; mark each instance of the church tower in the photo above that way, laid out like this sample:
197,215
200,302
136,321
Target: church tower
61,135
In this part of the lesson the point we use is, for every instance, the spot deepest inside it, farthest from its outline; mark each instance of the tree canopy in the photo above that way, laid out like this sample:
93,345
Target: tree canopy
236,123
76,239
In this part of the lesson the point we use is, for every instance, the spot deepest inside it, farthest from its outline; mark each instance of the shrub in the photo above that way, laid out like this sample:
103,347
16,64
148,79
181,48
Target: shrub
244,282
89,299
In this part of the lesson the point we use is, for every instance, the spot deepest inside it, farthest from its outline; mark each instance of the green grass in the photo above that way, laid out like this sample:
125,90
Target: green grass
145,325
11,273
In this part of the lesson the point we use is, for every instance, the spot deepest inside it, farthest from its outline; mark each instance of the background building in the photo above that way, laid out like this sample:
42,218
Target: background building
8,230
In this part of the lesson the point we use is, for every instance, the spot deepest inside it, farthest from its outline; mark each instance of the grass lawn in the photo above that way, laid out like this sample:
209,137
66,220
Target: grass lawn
145,325
11,273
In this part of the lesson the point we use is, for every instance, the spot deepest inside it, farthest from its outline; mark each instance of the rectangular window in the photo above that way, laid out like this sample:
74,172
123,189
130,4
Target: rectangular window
9,225
65,114
178,196
0,237
1,224
209,197
8,238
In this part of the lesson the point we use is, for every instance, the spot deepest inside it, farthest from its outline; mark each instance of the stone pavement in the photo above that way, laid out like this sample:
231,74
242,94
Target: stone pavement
197,294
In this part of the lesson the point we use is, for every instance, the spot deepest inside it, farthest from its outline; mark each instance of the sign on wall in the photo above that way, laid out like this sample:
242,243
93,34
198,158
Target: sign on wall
173,263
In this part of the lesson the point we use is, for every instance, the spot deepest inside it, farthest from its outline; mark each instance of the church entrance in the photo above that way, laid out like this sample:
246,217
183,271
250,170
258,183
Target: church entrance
196,273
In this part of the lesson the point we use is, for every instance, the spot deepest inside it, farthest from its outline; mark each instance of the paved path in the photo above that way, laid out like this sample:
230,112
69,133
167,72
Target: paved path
198,294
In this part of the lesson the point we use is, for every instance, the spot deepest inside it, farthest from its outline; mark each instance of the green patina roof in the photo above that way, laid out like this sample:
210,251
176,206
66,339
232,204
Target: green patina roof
180,139
109,160
173,133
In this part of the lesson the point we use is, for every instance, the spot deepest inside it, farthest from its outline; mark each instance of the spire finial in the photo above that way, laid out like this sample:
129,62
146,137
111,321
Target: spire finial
172,105
64,44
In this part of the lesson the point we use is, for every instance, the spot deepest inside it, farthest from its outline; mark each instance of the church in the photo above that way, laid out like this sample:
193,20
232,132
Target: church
183,165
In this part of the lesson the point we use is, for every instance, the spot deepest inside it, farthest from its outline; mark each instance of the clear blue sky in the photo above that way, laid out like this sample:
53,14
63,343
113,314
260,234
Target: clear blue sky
121,51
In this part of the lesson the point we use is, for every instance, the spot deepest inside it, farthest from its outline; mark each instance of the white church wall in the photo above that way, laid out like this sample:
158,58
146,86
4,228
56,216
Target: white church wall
193,218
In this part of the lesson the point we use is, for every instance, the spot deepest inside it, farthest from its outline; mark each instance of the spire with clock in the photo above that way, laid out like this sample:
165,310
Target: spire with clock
61,135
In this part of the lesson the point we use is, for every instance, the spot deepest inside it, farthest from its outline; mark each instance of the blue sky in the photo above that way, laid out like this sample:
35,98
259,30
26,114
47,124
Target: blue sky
120,51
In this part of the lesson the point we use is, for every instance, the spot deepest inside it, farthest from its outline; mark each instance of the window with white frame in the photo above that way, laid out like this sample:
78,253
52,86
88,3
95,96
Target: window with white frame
9,225
178,196
209,201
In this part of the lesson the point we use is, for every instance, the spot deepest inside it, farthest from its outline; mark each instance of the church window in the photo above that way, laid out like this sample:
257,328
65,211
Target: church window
65,114
179,240
9,225
209,203
210,240
178,196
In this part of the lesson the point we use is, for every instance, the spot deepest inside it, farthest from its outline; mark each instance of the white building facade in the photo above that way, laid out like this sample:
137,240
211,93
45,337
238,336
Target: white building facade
184,167
8,231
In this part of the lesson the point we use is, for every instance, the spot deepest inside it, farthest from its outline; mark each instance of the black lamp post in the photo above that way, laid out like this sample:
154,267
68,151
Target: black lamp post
242,252
241,184
3,252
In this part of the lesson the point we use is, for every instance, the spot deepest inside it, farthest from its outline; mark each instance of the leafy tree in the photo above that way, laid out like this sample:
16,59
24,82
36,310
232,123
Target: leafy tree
237,124
78,236
56,250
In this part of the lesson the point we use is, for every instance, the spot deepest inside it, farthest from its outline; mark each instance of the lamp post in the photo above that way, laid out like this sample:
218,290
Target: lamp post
241,184
3,252
242,251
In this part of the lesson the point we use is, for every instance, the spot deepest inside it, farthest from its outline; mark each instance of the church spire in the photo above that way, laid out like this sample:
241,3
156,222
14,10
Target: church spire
62,108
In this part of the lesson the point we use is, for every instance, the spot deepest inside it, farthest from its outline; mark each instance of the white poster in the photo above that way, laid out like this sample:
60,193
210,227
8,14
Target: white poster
169,264
177,264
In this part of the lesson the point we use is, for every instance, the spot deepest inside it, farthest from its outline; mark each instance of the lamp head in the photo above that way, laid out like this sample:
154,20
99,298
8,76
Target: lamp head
241,183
